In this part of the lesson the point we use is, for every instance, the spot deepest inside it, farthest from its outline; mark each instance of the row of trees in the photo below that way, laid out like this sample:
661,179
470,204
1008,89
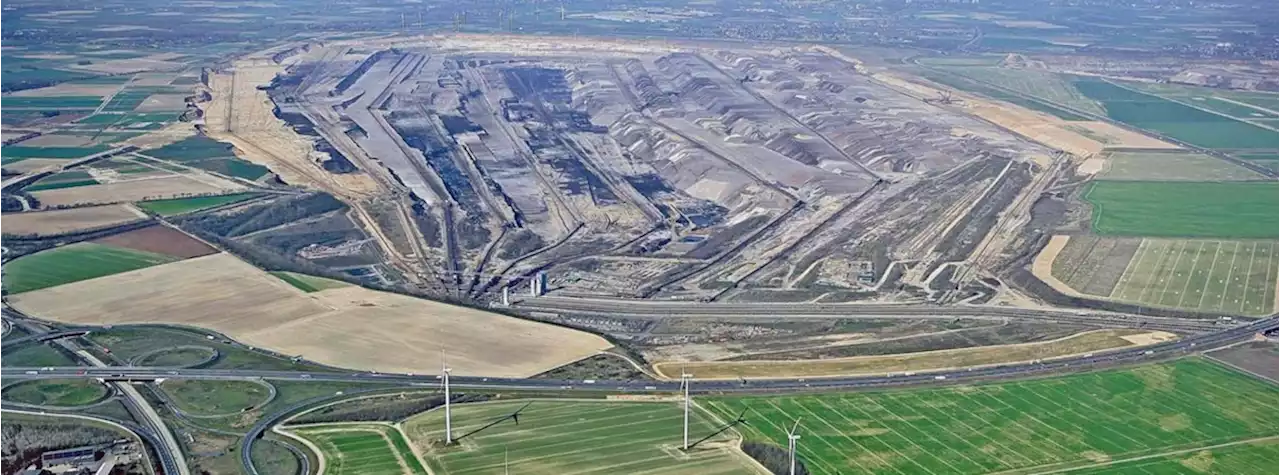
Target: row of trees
774,458
25,441
392,407
263,216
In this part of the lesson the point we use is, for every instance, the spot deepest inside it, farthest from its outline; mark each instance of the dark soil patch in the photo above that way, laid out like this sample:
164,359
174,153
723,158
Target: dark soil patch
160,240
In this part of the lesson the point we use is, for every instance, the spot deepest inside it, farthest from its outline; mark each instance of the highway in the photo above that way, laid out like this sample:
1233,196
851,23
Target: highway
1129,355
691,309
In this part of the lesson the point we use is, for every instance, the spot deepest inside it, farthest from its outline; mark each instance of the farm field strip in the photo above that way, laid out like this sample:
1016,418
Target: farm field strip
1175,166
1184,209
1255,456
73,263
626,437
1084,342
362,449
176,206
1194,125
1023,426
1237,277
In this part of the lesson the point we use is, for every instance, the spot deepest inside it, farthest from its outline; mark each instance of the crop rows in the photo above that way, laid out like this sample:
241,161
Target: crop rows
1236,277
1035,425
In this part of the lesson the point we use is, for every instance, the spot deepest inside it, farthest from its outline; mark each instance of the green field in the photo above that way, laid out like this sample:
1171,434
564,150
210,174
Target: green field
1241,458
126,100
57,392
208,154
1173,166
17,151
1052,87
1235,277
950,79
186,205
51,102
1189,209
73,263
216,397
364,449
574,437
307,283
35,355
1240,104
1175,120
1029,426
67,179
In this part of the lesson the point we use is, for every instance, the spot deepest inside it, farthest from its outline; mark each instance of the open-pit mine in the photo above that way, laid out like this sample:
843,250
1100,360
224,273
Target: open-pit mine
647,169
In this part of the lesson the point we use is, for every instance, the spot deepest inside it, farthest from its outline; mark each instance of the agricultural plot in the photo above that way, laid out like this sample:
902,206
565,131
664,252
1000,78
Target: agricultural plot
1246,457
1238,104
1094,264
51,102
964,83
1044,85
1179,121
307,283
186,205
67,179
60,221
1236,277
17,152
126,100
1029,426
349,327
1173,166
1081,343
1192,209
362,449
139,188
74,263
208,154
582,437
160,240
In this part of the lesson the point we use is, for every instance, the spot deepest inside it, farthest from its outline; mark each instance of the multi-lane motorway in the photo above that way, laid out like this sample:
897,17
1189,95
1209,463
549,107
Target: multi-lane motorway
1205,335
1162,350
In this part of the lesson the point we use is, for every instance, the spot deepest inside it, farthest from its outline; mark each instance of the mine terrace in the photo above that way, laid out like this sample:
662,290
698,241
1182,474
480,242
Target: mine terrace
630,169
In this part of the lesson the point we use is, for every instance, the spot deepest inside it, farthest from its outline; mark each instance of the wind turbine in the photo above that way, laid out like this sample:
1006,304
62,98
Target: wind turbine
448,419
685,380
793,439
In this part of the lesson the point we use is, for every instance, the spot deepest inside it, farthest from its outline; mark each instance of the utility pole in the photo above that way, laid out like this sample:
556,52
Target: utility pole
448,420
793,439
685,380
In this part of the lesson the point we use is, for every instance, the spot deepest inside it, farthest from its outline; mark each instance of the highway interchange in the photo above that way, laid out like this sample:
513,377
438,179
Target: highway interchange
1205,334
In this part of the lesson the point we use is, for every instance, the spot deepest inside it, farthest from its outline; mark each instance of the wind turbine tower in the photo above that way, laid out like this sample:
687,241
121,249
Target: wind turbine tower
792,440
448,419
685,380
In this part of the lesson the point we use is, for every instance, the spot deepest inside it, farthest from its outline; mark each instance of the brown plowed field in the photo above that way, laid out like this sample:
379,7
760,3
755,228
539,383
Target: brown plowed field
160,240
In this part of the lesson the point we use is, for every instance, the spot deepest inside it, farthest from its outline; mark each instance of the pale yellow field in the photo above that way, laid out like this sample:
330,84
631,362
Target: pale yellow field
47,223
349,327
136,190
1080,343
35,164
